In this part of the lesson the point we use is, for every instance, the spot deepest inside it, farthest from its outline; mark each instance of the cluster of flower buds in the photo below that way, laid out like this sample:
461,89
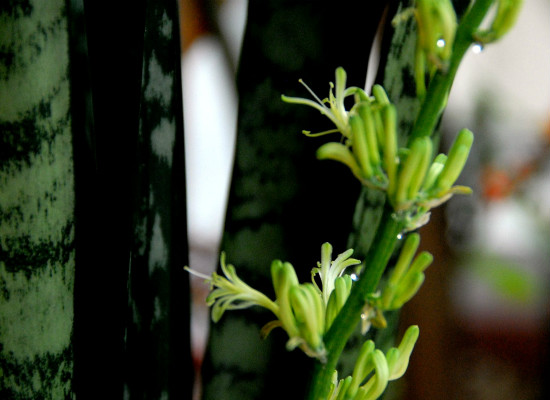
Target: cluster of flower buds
304,310
436,29
407,276
414,183
374,369
423,184
504,19
402,284
300,312
368,128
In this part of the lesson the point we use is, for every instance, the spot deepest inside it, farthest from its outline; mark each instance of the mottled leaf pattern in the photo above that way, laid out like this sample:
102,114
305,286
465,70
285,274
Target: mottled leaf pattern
157,333
37,257
94,301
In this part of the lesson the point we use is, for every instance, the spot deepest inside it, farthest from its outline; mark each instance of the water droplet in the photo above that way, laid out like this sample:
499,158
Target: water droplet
354,277
477,48
364,316
399,236
440,43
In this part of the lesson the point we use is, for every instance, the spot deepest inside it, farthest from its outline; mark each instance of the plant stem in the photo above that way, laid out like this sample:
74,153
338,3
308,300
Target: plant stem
440,85
347,320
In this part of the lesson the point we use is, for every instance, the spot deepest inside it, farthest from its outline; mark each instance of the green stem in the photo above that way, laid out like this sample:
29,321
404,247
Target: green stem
347,320
440,85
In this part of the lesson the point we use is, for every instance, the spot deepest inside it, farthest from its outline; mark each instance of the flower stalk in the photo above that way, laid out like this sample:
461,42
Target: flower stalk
320,316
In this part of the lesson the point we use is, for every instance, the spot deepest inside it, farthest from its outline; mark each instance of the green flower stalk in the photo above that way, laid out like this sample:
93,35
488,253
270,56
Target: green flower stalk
320,316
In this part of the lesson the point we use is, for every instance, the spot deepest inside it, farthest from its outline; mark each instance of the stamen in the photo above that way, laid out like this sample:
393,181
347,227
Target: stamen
196,273
311,91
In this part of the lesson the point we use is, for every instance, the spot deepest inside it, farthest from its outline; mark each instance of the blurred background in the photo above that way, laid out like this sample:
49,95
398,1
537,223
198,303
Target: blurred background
484,308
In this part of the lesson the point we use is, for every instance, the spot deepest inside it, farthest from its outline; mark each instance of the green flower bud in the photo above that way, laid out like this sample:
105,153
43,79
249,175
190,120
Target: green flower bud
399,360
379,128
366,114
337,299
340,152
376,385
437,25
341,389
310,316
436,29
389,116
505,18
380,95
415,161
360,146
405,258
361,95
434,171
362,368
338,101
407,276
407,289
424,147
458,154
284,279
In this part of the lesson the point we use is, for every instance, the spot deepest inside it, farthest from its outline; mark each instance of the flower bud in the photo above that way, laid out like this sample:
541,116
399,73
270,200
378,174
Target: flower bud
284,279
340,152
360,146
362,367
366,114
376,385
458,154
505,18
398,363
309,311
337,299
434,171
380,95
414,162
424,147
389,117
